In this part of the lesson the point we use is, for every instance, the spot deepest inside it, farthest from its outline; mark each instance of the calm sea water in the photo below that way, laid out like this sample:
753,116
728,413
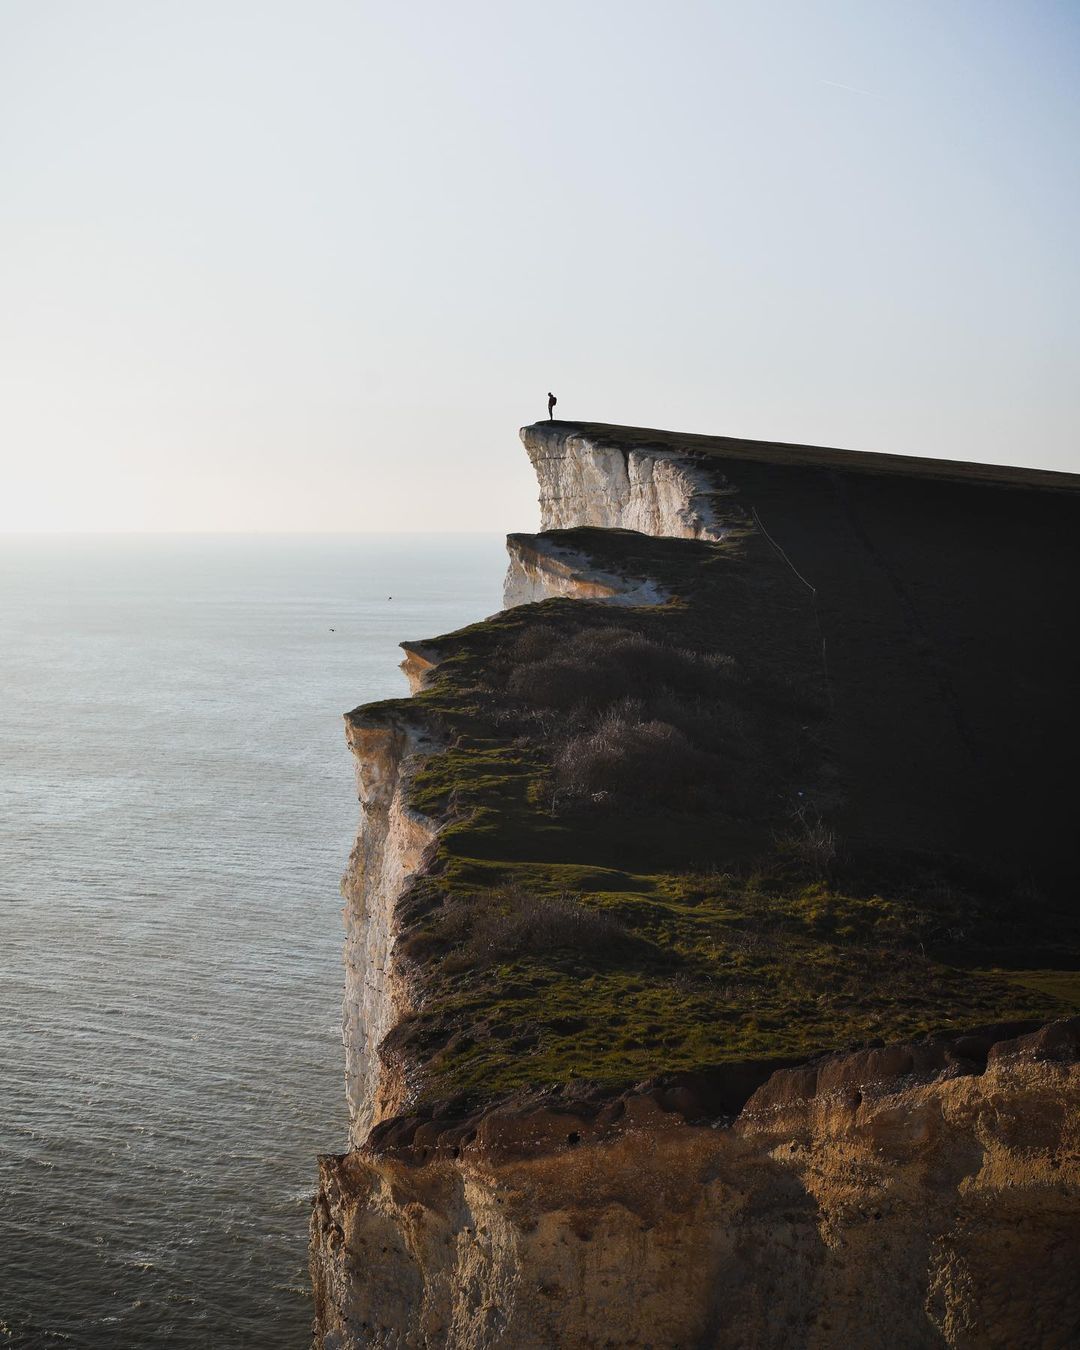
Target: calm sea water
176,807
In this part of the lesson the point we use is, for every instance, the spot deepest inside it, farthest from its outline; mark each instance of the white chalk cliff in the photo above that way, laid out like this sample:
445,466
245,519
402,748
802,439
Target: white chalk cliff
540,568
389,848
584,481
910,1197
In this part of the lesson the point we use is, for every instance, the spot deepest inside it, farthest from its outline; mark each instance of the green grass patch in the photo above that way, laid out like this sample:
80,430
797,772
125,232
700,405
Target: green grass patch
1060,985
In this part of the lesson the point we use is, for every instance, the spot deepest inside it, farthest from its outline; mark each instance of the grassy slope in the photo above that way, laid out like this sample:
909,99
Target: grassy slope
732,937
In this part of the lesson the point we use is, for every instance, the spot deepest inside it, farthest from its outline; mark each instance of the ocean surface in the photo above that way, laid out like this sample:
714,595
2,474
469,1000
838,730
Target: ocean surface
176,808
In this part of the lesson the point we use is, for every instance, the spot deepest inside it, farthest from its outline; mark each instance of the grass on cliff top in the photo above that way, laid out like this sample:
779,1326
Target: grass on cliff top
690,976
636,872
697,968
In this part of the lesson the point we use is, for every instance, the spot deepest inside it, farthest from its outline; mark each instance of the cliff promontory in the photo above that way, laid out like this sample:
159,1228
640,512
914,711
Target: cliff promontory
712,941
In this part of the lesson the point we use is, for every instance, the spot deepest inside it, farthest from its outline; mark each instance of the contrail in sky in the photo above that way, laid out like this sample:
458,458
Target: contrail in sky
850,88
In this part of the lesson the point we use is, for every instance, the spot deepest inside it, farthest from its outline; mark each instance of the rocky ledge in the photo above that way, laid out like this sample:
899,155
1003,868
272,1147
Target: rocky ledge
913,1195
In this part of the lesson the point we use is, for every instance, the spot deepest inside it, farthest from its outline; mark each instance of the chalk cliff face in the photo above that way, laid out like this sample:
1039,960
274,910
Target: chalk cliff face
917,1194
585,481
656,493
919,1210
389,847
420,659
541,568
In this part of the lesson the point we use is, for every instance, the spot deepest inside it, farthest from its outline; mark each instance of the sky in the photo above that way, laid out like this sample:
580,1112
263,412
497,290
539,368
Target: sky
307,265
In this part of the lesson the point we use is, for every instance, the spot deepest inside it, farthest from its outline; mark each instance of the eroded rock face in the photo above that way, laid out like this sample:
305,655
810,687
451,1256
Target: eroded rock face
585,482
389,847
420,660
539,569
878,1212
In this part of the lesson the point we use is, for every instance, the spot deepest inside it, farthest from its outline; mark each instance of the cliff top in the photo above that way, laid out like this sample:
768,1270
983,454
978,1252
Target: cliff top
804,456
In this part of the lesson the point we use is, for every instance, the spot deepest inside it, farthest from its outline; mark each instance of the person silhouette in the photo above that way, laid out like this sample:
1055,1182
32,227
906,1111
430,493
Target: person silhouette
552,400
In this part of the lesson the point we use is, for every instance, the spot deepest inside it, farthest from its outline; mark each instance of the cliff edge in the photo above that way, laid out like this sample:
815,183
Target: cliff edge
711,930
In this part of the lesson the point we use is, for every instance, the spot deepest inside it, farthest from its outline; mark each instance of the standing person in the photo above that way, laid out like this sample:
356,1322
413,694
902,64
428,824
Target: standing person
552,400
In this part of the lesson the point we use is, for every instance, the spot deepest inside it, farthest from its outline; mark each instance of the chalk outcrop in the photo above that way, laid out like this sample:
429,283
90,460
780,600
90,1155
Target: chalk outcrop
420,660
389,849
585,480
541,568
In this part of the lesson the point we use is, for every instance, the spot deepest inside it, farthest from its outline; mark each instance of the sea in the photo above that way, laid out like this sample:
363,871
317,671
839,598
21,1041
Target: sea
176,808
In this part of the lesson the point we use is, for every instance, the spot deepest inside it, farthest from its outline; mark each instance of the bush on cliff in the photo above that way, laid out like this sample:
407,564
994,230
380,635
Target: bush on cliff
626,720
509,921
625,754
594,668
521,924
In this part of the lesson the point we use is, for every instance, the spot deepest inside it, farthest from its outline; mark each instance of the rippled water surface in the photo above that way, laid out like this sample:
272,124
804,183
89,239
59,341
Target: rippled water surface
176,806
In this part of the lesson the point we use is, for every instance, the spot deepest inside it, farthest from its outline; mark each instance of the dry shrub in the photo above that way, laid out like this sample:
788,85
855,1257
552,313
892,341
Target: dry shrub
535,643
594,668
811,841
626,755
635,720
551,684
651,666
497,925
510,921
710,724
544,924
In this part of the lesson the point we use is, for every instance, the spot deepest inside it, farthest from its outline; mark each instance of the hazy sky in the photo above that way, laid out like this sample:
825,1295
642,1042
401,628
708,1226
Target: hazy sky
308,264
